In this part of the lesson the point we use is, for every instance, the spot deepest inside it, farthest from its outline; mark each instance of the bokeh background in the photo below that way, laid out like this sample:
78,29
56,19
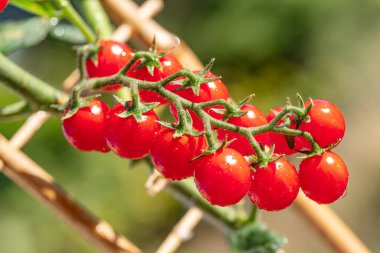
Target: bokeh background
319,48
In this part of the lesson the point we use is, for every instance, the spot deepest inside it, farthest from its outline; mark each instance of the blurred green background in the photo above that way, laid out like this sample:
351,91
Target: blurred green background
321,49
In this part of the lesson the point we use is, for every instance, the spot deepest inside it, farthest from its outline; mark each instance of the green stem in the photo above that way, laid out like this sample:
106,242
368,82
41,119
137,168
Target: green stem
248,132
198,108
97,18
71,14
135,96
32,89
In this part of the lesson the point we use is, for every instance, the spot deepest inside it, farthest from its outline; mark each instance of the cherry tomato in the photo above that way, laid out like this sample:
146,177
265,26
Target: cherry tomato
3,4
253,118
207,91
85,129
324,178
222,178
327,125
112,57
172,156
274,187
278,140
169,66
127,137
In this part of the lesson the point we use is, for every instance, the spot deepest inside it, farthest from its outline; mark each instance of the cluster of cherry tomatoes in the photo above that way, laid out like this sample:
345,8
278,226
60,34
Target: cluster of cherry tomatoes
225,176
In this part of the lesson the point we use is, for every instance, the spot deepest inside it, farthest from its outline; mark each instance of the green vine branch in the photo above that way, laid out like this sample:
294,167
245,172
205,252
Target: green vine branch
38,94
97,18
184,126
72,15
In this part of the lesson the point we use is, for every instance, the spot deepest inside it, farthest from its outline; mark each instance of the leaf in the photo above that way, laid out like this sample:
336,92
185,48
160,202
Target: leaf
41,8
67,33
256,238
23,33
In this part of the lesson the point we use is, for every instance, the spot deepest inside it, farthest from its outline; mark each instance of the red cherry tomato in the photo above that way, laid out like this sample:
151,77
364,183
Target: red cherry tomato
127,137
253,118
112,57
327,125
275,187
324,178
85,129
214,90
172,156
169,66
278,140
3,4
222,178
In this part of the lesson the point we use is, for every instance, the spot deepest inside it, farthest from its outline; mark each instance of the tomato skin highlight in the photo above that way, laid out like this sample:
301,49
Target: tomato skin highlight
112,57
128,138
276,139
324,178
172,156
327,125
222,178
85,129
169,66
275,187
253,118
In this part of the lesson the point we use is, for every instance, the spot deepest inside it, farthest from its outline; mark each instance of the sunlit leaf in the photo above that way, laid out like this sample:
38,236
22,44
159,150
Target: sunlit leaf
23,33
67,33
41,8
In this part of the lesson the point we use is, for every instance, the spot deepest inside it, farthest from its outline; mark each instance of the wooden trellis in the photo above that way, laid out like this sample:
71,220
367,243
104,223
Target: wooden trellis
136,23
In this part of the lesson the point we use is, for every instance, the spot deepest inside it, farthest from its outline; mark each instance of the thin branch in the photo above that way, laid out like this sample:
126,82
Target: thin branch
34,180
337,233
182,231
147,30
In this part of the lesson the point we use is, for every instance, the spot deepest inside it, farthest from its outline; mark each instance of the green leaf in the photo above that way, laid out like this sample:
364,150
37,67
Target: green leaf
23,33
67,33
255,238
41,8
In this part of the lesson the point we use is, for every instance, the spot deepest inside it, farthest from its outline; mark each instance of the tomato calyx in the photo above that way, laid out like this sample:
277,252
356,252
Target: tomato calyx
73,105
320,151
211,150
195,80
268,156
90,51
182,128
135,109
151,60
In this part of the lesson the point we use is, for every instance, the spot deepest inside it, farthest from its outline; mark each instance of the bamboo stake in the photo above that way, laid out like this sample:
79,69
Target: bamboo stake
26,131
323,218
37,182
182,231
148,29
331,226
